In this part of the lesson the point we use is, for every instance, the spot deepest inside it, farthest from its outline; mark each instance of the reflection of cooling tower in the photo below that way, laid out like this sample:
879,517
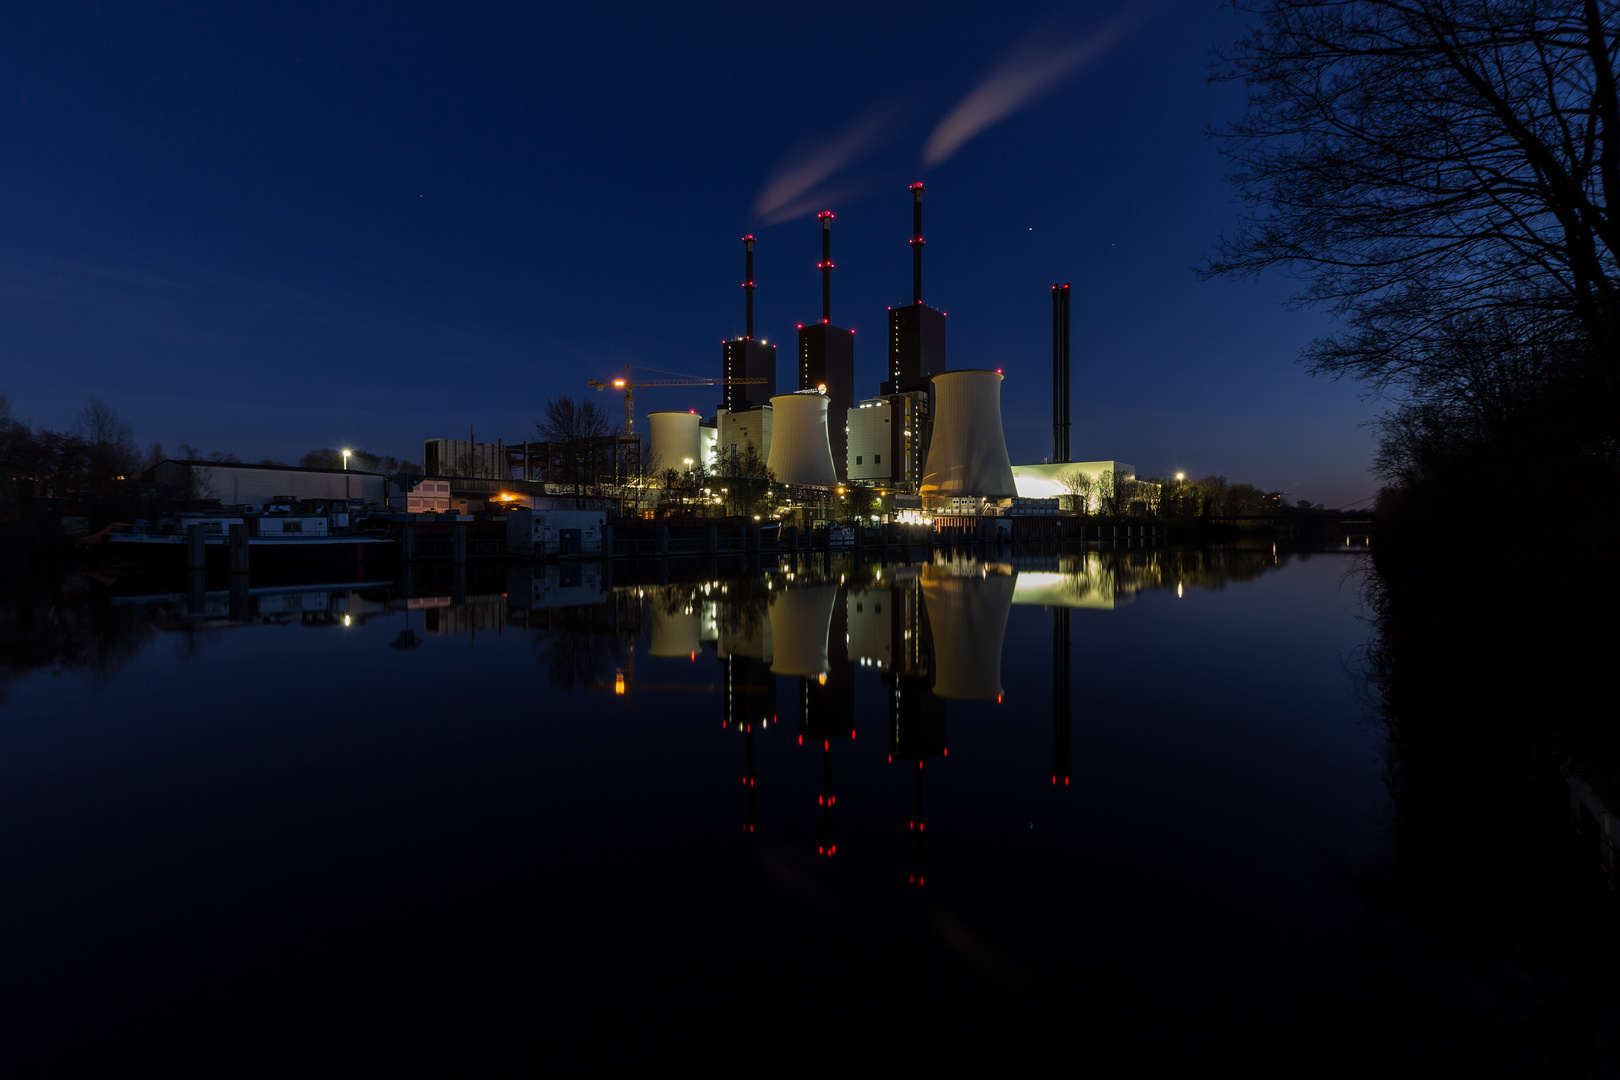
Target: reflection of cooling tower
800,452
800,619
673,438
968,616
968,455
675,634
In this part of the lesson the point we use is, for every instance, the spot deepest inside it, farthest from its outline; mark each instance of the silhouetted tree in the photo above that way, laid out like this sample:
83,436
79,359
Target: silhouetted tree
1425,163
575,429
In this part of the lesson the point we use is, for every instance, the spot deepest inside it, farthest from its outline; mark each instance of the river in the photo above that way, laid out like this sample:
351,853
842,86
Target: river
713,813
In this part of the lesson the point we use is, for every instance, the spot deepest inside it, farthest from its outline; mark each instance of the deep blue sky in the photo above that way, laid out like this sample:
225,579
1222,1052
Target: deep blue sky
268,228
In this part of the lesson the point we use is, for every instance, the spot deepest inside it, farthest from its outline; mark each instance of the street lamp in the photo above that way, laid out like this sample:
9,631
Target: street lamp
1180,476
346,454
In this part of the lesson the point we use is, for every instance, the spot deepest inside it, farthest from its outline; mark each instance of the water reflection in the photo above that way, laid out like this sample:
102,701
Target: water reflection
931,632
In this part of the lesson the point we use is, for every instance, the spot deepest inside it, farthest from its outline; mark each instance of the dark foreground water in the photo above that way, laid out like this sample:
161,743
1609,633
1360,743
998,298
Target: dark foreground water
750,820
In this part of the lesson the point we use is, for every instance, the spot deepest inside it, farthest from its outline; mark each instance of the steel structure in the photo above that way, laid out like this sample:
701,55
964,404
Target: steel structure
628,385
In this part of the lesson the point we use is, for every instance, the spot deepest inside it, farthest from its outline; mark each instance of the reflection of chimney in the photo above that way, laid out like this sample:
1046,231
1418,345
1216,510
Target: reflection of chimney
827,847
1060,373
916,242
917,826
748,285
748,781
1061,696
826,217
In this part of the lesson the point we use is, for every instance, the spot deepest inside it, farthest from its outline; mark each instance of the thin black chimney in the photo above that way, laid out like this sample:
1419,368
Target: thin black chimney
916,242
826,217
1060,373
748,285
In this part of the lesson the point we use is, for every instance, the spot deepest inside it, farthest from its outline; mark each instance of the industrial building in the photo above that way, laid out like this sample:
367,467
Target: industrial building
1047,480
886,439
740,430
827,356
237,483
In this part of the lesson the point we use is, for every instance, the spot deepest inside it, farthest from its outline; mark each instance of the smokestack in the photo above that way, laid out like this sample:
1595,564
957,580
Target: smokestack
916,242
748,285
1060,373
826,217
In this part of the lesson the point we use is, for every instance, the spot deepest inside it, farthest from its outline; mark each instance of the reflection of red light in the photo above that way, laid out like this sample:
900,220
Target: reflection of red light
694,656
998,699
826,745
852,734
801,740
1065,781
947,751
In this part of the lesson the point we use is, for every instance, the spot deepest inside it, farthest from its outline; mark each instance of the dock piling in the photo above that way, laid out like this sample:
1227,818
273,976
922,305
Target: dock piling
239,549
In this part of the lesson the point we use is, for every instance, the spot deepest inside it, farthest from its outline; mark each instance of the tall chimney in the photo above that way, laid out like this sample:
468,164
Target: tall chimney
916,242
826,217
748,285
1060,373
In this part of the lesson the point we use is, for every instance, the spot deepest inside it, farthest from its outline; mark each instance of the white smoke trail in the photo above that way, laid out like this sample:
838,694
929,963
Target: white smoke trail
789,193
1033,70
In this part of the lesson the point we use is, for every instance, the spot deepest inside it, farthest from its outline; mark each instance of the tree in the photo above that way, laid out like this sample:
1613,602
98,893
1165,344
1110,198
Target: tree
574,427
109,448
1107,493
748,482
1433,169
1077,486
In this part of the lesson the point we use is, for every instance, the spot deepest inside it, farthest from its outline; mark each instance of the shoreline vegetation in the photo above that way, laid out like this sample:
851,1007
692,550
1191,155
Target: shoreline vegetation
1439,178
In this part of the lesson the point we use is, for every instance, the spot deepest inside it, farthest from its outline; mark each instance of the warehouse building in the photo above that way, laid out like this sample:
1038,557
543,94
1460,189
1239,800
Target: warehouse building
236,483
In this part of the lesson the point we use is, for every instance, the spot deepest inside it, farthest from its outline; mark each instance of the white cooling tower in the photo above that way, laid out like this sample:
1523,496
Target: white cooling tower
800,619
800,452
673,438
968,454
967,613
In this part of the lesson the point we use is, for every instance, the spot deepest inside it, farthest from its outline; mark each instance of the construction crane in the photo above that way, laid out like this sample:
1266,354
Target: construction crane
628,385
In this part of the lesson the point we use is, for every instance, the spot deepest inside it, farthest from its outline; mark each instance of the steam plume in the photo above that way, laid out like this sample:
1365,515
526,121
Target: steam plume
1033,70
789,192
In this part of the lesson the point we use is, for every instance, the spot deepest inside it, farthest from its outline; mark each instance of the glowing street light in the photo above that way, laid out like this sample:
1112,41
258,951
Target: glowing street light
1180,476
346,454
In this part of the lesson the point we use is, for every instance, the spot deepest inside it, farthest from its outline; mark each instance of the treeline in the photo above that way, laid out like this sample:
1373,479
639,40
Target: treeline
98,457
90,460
1179,499
1475,280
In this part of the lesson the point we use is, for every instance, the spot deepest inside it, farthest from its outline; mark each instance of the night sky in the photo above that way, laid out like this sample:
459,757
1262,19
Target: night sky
268,228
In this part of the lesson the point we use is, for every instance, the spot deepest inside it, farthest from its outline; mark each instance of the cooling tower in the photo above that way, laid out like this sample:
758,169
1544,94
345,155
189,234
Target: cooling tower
800,452
672,440
676,633
800,619
968,616
968,455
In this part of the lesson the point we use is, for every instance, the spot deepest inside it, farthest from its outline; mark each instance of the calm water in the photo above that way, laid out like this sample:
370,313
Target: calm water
549,815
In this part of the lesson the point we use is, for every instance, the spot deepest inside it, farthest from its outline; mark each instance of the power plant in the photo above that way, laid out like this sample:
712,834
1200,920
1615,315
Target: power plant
929,444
